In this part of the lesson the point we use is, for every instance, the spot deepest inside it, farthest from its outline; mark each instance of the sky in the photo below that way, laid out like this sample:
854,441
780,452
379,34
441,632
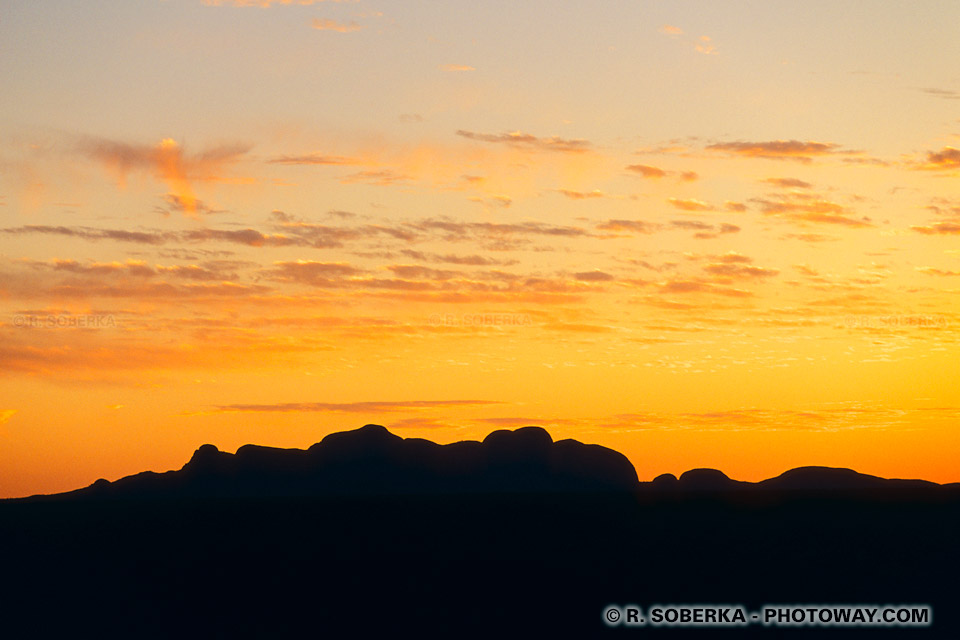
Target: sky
704,234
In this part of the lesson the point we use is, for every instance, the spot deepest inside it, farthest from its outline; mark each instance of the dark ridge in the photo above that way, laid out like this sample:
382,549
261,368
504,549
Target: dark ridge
366,534
373,461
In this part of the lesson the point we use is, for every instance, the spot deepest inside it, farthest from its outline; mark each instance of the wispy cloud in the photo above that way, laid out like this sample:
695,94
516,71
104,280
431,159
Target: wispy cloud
527,141
327,24
939,228
457,67
351,407
779,149
705,46
691,204
166,160
314,158
581,195
946,159
789,183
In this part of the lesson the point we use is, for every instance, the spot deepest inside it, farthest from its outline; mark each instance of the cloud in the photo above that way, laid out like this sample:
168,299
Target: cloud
130,267
351,407
593,276
249,237
493,201
647,171
454,229
166,160
210,272
581,195
691,205
633,226
939,228
527,141
945,159
731,270
380,178
314,158
317,274
5,416
778,149
176,203
88,233
732,257
937,272
457,67
737,207
670,30
945,94
789,183
326,24
815,211
698,286
705,46
417,272
470,260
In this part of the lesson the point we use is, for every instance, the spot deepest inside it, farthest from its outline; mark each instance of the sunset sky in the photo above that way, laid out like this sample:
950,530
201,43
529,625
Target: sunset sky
704,234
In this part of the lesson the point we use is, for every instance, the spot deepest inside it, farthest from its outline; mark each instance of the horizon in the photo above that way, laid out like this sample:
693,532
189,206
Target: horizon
701,235
640,478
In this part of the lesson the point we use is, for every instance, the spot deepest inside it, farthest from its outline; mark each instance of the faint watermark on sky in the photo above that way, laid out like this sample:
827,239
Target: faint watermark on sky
481,320
65,321
896,321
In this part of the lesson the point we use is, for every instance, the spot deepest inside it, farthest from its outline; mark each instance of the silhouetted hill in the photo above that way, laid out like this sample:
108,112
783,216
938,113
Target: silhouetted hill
373,461
367,534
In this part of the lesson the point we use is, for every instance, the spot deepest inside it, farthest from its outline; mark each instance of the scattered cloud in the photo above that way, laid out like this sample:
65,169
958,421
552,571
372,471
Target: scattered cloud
699,286
326,24
939,228
314,158
632,226
705,46
789,183
647,171
581,195
351,407
593,276
779,149
946,159
457,67
166,160
691,205
527,141
493,201
937,272
670,30
945,94
811,210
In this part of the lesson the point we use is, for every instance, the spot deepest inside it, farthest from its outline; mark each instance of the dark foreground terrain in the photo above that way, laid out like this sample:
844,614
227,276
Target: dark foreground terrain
367,534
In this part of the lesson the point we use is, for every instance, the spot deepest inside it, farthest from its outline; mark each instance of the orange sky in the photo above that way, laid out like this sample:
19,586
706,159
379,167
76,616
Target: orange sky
704,236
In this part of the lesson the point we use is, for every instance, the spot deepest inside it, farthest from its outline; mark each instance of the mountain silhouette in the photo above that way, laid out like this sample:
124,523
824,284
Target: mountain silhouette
373,461
367,534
